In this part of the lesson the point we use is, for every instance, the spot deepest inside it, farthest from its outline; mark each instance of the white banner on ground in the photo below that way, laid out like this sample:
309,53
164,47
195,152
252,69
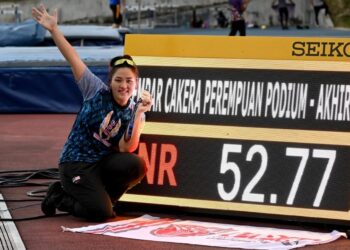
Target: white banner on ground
209,234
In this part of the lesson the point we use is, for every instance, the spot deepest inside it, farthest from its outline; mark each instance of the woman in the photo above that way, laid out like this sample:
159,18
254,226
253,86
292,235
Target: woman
96,166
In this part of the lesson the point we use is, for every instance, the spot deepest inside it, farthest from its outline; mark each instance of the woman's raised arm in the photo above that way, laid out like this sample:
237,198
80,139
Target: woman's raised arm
49,22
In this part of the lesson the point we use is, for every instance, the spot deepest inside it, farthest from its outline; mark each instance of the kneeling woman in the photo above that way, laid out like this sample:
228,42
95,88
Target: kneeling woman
97,164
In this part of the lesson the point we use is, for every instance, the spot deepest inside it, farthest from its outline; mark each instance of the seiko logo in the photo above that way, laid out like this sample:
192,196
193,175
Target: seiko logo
323,49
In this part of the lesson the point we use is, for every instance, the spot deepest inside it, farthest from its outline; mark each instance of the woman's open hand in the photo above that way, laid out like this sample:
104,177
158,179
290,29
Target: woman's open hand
48,21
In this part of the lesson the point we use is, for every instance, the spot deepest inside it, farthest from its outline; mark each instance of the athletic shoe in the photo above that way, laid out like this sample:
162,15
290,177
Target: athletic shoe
54,193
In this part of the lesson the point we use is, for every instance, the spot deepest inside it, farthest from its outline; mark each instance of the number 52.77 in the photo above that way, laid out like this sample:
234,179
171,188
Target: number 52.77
248,195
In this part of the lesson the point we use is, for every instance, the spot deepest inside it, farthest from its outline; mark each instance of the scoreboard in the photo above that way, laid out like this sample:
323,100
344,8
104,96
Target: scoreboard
254,125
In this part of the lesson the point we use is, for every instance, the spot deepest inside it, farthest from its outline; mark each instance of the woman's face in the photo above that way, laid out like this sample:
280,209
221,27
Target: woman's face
123,84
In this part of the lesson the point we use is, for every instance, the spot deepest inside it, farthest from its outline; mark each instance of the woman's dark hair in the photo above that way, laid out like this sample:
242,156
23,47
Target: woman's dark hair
118,62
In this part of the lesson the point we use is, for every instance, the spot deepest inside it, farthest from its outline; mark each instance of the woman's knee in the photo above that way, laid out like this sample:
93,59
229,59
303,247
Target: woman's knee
125,167
135,165
137,168
136,171
142,166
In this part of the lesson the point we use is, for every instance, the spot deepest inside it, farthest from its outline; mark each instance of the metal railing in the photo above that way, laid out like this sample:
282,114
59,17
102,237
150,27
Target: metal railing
11,9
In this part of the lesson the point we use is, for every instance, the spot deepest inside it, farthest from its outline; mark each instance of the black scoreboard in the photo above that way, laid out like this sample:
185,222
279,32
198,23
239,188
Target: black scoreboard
260,136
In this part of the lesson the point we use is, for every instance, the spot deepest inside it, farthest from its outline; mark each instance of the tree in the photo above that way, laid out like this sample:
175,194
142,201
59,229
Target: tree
339,12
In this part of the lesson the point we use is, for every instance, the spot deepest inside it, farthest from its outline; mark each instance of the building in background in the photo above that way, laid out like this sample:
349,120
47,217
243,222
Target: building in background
155,13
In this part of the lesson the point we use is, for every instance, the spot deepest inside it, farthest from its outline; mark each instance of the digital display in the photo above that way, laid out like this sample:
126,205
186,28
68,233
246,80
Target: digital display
256,136
285,174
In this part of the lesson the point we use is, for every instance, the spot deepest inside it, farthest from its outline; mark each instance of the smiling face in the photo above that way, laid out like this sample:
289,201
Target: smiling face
123,83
